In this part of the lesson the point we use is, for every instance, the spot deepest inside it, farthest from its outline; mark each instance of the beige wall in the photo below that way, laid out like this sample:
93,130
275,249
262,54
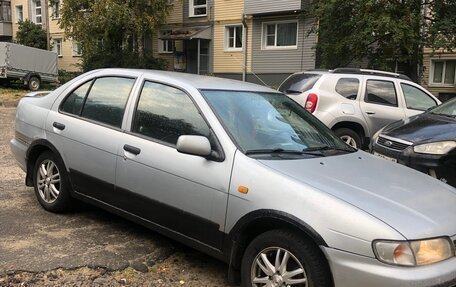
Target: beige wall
25,9
176,12
426,81
68,61
229,12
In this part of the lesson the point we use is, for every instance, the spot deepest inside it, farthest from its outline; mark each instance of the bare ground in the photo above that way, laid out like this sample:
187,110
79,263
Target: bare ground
88,247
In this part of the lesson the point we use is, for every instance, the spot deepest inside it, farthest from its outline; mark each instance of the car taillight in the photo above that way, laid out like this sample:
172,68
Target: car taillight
311,102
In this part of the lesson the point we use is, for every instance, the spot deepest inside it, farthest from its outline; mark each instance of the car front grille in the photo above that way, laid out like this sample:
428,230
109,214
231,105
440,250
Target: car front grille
393,144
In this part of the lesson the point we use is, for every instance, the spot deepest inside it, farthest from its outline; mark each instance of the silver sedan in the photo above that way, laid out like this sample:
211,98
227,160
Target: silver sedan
238,171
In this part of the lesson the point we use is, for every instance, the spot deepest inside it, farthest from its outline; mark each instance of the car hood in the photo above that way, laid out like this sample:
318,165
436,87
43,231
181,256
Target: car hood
414,204
423,128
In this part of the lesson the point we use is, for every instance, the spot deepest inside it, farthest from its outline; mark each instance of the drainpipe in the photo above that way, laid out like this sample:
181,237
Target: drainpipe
46,16
244,50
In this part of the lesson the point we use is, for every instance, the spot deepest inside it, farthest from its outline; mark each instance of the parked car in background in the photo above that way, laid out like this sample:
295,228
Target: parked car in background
356,103
426,142
238,171
31,66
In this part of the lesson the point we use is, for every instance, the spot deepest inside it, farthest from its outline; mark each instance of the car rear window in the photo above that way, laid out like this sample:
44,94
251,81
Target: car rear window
299,82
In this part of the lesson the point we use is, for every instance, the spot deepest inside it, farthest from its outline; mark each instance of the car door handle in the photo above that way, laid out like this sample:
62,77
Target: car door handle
58,126
132,149
370,113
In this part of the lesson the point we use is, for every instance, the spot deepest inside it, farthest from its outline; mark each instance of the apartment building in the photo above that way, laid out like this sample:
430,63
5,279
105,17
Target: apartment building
45,15
6,27
439,73
262,41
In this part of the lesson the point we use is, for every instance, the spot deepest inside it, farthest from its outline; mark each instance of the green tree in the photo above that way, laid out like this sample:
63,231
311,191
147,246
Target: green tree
31,34
440,16
389,34
111,33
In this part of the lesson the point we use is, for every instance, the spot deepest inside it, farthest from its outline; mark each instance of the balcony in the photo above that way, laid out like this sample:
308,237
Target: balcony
6,27
256,7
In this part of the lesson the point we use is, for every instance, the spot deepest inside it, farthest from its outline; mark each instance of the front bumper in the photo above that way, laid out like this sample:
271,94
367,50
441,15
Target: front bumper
350,270
442,167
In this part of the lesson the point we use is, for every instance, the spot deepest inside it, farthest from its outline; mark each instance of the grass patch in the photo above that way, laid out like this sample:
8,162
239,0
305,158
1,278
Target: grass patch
11,94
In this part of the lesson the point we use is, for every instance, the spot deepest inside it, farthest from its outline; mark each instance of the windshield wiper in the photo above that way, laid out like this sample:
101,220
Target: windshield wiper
282,151
325,148
444,115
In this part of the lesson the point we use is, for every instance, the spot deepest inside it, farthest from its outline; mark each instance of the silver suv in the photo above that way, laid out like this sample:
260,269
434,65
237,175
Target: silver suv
241,172
356,103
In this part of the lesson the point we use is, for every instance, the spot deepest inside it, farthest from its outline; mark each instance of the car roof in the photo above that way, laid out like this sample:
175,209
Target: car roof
197,81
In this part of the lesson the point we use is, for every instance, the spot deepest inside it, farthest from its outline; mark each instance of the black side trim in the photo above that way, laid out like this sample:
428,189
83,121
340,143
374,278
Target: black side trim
250,218
255,223
209,250
149,209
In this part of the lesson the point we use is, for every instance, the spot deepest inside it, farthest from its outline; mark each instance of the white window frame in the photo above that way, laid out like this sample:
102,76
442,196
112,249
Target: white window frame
168,43
192,8
17,9
55,8
54,46
75,52
264,44
431,73
35,15
227,35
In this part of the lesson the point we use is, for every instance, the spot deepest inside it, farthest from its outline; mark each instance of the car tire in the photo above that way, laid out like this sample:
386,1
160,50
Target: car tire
51,184
302,255
34,83
350,137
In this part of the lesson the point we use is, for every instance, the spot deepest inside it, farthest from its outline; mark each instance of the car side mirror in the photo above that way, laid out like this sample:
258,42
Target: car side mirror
194,145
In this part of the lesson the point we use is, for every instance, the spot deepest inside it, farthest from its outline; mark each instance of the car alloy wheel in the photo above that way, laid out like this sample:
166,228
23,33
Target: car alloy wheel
349,140
52,187
277,267
48,176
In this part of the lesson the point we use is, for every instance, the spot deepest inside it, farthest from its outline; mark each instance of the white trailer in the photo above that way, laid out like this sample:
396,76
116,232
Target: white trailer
30,65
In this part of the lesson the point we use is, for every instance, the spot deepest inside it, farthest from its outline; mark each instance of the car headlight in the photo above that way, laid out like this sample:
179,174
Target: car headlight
435,148
414,253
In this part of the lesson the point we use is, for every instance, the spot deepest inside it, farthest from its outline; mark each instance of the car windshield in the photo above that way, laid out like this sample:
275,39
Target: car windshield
272,123
445,109
299,83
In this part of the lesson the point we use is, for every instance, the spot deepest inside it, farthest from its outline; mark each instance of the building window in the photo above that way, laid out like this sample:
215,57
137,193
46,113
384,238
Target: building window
37,12
282,35
19,13
56,10
198,8
233,37
444,72
76,49
165,46
57,46
5,12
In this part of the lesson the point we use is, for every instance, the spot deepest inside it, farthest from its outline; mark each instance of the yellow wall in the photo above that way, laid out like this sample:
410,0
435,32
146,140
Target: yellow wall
425,82
229,12
25,9
67,62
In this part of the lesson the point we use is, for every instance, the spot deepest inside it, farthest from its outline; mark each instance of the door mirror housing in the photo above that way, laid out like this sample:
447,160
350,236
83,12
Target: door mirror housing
194,145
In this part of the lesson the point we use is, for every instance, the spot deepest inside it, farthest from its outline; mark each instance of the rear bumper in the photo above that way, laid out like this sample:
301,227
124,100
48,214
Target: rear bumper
351,270
19,151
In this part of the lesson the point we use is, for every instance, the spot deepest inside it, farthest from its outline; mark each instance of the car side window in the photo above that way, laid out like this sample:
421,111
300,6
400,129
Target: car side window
381,92
416,99
73,103
107,99
164,113
348,88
